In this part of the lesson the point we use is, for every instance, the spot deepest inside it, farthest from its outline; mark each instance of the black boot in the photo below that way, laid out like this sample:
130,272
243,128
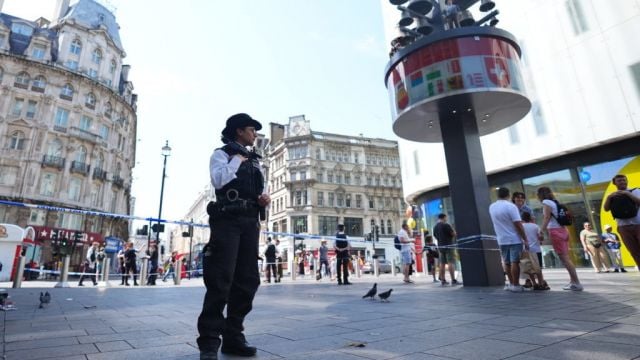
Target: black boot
237,345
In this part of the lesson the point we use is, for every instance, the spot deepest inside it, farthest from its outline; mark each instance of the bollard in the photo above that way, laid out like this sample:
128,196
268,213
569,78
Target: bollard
393,268
17,281
178,272
144,270
64,274
293,269
106,263
376,270
425,266
358,270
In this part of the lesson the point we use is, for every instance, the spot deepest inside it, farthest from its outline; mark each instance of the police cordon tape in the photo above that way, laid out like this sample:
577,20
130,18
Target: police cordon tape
461,241
57,272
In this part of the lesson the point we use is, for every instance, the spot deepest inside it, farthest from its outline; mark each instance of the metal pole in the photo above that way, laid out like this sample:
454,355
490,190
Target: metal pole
177,272
425,266
190,248
64,274
17,281
393,267
164,171
144,271
376,271
106,264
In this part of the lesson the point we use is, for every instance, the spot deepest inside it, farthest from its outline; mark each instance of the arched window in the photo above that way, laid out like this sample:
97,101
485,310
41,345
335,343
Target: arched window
22,80
112,67
54,148
67,91
17,141
389,227
99,162
81,155
1,74
76,47
39,83
90,101
117,171
96,56
108,109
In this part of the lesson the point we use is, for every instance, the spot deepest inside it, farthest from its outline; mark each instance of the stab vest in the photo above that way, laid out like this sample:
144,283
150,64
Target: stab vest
249,182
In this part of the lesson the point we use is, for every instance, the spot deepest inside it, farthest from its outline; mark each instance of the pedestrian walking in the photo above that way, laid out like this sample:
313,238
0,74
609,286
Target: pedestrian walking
624,205
130,264
229,262
405,252
171,268
612,240
270,257
90,264
323,254
592,244
558,234
153,265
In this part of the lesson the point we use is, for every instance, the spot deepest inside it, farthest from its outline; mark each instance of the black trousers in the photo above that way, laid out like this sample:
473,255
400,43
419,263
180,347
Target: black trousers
131,268
90,270
344,263
271,269
231,277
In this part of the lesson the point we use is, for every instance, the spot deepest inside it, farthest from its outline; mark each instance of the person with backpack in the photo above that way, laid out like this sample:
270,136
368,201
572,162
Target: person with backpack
624,204
270,257
554,218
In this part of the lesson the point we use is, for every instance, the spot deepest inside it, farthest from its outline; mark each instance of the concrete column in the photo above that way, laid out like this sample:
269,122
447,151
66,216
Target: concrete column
178,273
469,187
144,271
64,274
106,263
393,267
17,281
376,271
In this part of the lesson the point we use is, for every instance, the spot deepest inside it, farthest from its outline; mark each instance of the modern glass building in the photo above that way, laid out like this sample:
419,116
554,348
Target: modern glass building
582,75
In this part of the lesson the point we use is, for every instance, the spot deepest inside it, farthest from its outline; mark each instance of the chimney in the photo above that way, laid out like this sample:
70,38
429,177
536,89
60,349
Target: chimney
1,3
60,10
125,72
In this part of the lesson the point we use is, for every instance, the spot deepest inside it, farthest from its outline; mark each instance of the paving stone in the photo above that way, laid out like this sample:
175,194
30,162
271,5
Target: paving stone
576,349
35,335
49,352
490,349
536,335
42,343
157,352
620,334
113,346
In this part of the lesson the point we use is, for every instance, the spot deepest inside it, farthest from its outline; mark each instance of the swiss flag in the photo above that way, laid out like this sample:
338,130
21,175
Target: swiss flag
497,71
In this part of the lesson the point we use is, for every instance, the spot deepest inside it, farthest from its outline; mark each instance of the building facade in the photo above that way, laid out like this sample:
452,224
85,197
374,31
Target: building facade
583,79
67,125
319,180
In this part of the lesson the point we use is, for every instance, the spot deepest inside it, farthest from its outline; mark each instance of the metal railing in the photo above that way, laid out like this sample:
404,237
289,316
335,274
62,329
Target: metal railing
80,167
53,161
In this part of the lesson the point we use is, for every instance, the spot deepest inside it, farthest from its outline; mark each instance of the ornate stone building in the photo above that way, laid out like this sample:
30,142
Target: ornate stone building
67,123
318,180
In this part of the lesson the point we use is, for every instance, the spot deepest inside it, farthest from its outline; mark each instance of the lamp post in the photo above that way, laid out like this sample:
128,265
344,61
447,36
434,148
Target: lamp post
166,151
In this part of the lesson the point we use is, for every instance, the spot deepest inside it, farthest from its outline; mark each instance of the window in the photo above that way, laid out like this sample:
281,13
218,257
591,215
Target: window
1,74
76,47
328,225
356,158
54,148
576,15
347,201
38,52
93,73
369,180
340,199
71,64
39,83
298,198
67,91
108,109
293,176
377,180
62,117
104,132
358,201
320,198
353,226
329,177
85,123
389,227
81,155
22,29
17,141
96,195
8,175
299,224
331,202
37,217
99,162
32,108
320,176
303,175
22,80
75,186
381,227
90,100
96,56
112,67
318,154
17,107
70,221
387,203
48,184
347,179
372,203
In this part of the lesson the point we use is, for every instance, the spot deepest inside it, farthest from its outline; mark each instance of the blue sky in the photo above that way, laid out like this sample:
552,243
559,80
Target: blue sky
196,62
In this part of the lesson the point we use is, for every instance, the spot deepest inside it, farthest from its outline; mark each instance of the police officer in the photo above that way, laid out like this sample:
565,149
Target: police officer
230,272
342,256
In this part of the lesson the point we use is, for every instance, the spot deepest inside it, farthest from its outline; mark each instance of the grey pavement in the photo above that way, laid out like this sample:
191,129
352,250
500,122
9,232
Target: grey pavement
311,320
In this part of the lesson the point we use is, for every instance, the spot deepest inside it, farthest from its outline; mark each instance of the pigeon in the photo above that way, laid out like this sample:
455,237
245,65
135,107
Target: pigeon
45,298
384,296
372,293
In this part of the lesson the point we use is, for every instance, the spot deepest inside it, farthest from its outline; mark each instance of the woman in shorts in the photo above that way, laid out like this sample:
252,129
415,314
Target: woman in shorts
558,234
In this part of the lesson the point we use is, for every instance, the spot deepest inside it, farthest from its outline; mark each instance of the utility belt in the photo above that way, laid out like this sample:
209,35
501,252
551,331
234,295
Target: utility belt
239,207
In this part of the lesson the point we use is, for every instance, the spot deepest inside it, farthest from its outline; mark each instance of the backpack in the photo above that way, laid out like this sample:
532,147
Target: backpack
396,242
564,217
622,207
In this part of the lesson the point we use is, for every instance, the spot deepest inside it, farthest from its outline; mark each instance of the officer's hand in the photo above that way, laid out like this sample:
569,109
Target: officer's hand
264,200
242,158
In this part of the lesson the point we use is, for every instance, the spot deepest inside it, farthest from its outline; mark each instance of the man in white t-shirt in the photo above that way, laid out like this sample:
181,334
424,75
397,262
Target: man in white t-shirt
405,251
629,228
511,236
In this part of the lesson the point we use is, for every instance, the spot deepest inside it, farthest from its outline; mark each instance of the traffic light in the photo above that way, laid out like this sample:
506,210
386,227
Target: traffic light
377,233
159,228
54,236
77,237
143,231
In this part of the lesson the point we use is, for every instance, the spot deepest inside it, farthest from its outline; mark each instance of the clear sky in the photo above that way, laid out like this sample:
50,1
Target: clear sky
196,62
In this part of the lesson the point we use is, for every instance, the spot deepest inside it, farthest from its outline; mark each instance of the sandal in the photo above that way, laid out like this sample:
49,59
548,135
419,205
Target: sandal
545,286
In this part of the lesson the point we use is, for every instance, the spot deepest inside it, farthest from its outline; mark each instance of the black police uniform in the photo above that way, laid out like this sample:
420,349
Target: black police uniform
229,262
342,259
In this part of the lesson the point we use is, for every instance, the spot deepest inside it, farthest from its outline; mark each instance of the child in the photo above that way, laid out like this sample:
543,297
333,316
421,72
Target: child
432,255
534,236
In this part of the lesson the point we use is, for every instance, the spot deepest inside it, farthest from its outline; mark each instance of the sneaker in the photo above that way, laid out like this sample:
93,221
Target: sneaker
444,283
516,288
623,270
454,282
507,287
616,270
573,287
528,284
436,281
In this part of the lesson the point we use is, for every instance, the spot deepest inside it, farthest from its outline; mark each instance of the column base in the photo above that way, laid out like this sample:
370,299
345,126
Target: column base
481,261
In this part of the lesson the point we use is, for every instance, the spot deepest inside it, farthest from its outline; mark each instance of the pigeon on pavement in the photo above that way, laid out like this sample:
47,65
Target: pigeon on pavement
384,296
45,298
372,293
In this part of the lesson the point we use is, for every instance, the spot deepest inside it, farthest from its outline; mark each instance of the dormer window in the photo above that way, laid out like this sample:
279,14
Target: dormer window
38,52
22,29
112,67
76,47
96,57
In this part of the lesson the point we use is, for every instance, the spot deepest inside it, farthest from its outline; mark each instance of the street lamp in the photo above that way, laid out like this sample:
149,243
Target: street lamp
166,151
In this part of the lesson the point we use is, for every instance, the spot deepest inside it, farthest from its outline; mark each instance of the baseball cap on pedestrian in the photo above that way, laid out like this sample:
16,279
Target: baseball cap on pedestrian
607,226
239,121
